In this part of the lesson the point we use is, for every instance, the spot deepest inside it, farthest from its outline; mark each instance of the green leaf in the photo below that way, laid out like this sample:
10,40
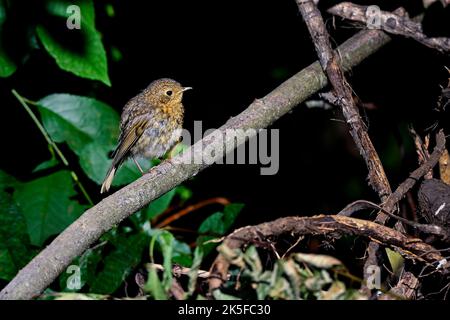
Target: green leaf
79,51
219,222
95,162
79,121
251,258
46,165
291,271
193,273
182,254
7,65
396,261
7,180
165,240
158,206
154,285
267,282
15,249
109,8
46,205
217,225
119,263
231,211
7,267
213,224
88,126
166,243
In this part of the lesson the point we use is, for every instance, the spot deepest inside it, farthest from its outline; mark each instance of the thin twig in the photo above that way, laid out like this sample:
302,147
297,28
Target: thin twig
422,150
293,246
389,22
178,270
364,204
191,208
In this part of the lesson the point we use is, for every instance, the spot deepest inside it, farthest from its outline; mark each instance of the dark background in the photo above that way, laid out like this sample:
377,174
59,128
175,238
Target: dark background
232,52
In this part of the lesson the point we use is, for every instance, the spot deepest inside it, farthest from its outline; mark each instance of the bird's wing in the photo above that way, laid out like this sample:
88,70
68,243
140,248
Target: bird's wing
128,139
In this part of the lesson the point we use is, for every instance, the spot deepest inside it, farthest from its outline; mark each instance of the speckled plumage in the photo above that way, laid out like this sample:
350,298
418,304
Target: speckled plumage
150,125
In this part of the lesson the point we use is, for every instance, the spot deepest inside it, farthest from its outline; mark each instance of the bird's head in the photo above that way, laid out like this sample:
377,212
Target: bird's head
164,92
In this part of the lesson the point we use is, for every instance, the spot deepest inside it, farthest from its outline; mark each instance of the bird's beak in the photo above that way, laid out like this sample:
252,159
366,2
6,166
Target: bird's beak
186,89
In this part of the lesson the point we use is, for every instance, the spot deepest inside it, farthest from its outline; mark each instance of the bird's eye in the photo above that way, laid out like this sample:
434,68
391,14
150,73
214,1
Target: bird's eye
169,92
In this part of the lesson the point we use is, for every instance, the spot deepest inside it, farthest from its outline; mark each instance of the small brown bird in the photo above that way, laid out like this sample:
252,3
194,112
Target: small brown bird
150,125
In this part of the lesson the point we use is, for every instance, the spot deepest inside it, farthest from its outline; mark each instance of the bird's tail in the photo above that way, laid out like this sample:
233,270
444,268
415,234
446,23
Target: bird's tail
108,180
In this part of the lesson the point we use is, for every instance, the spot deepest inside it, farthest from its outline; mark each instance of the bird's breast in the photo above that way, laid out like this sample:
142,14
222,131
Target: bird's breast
160,136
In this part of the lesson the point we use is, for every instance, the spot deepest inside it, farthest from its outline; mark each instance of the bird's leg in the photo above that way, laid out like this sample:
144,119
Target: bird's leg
138,165
172,150
171,153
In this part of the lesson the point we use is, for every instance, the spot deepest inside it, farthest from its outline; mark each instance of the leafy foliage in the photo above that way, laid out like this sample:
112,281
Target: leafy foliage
88,126
193,274
35,210
14,244
46,165
88,58
47,206
15,249
119,263
159,288
300,276
77,50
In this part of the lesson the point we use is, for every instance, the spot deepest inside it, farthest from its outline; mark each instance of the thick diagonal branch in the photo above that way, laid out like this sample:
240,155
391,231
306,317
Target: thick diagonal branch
73,241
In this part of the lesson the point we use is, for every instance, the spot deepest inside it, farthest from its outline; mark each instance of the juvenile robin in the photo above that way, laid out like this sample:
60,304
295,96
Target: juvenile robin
150,125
